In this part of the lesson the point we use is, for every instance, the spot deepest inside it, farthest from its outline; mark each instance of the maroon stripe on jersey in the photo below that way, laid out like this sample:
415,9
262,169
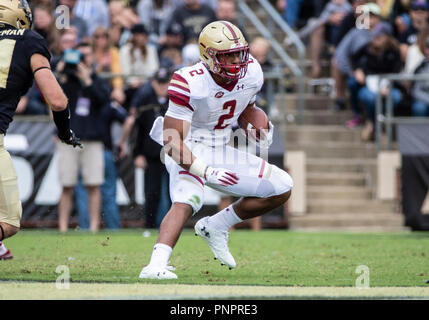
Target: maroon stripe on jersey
192,175
234,35
261,172
179,86
179,78
179,99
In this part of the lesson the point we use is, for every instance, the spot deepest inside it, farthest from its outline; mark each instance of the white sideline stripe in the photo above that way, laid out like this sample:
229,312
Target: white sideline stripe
42,290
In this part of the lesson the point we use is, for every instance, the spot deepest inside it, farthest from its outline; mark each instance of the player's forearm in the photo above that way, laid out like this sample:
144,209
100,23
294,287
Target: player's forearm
180,153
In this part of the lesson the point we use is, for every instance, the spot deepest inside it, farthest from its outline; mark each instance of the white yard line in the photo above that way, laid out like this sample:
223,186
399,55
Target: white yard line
39,290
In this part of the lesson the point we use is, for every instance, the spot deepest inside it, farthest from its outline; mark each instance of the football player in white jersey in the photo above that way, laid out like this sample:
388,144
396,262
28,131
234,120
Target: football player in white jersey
204,101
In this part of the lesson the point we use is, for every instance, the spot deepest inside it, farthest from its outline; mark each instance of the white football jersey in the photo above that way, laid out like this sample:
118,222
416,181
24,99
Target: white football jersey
211,108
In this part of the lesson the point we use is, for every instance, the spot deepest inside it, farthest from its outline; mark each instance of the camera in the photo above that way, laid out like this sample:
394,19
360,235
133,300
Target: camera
71,58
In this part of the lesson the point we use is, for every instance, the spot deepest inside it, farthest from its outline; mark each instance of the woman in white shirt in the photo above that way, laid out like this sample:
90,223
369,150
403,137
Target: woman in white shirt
139,61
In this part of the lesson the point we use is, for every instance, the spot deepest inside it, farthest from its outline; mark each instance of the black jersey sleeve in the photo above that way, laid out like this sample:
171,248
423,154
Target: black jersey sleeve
35,43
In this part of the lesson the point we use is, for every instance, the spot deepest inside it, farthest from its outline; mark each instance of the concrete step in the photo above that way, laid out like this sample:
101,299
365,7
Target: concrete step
338,192
312,133
323,117
352,206
366,221
335,150
289,102
336,179
340,165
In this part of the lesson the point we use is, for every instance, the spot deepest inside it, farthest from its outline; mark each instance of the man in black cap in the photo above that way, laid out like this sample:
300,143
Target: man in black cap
149,102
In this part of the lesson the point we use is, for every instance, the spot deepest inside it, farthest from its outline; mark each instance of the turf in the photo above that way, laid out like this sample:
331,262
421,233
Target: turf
269,258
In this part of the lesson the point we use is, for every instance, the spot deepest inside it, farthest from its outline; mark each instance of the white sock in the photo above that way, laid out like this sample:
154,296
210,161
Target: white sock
225,219
160,255
3,249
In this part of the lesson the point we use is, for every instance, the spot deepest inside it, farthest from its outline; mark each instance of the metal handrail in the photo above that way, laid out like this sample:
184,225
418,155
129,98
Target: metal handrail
389,119
263,30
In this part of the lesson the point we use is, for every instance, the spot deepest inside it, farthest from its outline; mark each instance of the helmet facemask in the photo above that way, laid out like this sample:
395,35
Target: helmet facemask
230,71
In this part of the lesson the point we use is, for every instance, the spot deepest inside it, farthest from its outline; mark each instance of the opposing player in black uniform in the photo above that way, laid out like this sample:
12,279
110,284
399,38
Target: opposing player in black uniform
24,56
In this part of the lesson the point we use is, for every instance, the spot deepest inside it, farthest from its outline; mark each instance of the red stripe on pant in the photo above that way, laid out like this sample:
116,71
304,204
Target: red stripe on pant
261,172
192,175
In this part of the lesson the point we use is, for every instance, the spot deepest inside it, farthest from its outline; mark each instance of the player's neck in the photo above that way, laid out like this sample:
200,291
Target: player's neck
221,80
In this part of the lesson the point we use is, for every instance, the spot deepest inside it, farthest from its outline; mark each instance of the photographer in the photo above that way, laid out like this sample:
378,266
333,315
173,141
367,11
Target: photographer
149,102
87,95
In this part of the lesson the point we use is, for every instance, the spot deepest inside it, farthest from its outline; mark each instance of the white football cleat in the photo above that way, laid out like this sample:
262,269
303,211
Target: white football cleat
170,268
159,273
217,241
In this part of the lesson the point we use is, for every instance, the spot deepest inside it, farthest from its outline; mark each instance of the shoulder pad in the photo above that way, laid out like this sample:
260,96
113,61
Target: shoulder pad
254,76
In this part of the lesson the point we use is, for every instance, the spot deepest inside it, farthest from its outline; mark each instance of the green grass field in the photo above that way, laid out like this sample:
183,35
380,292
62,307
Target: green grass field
265,258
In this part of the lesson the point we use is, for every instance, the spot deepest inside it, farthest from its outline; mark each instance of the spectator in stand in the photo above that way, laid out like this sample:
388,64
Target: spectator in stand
341,67
151,101
191,17
399,16
419,14
380,56
107,60
68,40
137,57
227,10
330,19
349,21
259,49
122,19
87,94
291,10
44,24
110,113
75,21
171,43
415,53
35,3
155,16
386,7
95,12
420,89
173,54
33,103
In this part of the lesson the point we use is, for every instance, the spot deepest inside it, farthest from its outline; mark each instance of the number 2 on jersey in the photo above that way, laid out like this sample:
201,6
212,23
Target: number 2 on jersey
229,105
6,51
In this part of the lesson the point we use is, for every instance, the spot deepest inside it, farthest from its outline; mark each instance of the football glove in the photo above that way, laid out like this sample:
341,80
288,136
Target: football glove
220,176
71,140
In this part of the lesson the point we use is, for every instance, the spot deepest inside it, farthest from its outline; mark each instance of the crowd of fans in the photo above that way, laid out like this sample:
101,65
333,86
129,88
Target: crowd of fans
393,39
116,57
114,62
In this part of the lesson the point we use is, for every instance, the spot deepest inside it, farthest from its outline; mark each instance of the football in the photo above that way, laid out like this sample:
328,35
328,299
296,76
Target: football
254,116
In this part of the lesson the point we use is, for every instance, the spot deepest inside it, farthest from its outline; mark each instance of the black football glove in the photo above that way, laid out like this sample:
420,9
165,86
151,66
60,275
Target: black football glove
72,140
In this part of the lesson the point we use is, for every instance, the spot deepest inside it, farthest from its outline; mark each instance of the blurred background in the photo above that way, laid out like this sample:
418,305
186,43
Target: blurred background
346,87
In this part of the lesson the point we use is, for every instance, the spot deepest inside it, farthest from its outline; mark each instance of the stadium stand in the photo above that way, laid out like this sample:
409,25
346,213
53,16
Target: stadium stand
342,180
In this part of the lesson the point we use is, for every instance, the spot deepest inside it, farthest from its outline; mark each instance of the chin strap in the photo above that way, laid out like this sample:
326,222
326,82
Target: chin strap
2,233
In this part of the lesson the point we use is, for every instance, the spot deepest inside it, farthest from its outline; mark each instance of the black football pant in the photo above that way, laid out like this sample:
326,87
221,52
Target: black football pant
154,175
